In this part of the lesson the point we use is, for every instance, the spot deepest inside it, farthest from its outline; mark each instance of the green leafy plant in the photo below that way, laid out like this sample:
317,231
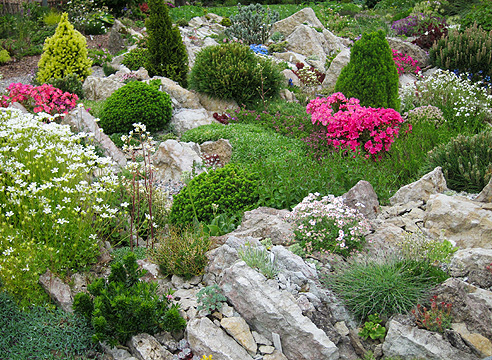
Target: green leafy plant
479,14
232,71
371,75
466,161
182,252
64,53
221,224
99,56
436,318
252,23
108,69
167,53
136,100
230,188
123,306
70,84
210,299
136,58
260,259
373,328
418,246
181,22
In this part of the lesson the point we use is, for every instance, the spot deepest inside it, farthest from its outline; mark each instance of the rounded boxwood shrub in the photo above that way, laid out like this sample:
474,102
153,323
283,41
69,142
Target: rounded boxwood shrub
230,188
233,71
136,58
136,102
371,75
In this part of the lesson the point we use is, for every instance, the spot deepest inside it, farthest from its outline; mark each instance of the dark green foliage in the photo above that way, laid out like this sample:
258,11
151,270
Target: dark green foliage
108,69
371,75
481,14
136,58
467,51
371,3
167,53
232,189
69,83
124,306
136,102
466,161
233,71
41,333
181,22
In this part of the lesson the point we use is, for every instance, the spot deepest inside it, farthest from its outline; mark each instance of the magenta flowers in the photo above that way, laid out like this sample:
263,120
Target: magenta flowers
405,63
356,127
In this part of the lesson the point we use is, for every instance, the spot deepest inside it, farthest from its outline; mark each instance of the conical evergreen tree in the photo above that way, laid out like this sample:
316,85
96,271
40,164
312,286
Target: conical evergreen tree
64,53
167,53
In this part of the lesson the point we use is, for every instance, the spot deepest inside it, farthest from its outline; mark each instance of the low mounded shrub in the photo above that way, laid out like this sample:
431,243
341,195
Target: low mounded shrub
136,102
136,58
230,188
232,71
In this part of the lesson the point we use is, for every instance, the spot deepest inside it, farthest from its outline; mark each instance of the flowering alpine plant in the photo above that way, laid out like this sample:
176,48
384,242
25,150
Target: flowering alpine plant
44,98
328,225
405,63
356,127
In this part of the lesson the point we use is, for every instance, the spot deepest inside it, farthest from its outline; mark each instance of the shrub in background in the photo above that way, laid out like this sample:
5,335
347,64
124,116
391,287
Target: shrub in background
371,75
136,58
232,71
136,101
430,33
234,190
69,84
467,51
64,53
466,161
167,53
480,14
252,24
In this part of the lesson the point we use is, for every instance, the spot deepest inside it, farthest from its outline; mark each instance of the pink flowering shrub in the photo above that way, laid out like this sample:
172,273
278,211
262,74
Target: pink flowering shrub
45,98
356,127
328,225
405,63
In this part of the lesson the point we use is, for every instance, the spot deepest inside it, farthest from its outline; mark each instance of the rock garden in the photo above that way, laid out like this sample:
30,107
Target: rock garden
246,181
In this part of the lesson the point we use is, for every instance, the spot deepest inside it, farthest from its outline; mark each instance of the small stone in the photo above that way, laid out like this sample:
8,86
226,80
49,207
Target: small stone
342,328
264,349
260,339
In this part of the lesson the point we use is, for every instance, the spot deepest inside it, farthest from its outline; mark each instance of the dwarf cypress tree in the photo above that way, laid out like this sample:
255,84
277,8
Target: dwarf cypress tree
167,53
371,75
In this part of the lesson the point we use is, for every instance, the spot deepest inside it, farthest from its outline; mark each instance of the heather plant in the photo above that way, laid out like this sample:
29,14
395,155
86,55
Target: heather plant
371,74
210,299
464,105
466,51
352,126
466,161
405,64
436,318
260,259
64,53
45,98
51,205
328,225
167,54
182,252
252,24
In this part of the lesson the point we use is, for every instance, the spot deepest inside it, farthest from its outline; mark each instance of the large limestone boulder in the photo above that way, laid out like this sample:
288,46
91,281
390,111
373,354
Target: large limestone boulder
206,338
173,158
99,88
288,25
187,119
217,105
406,47
336,66
431,183
473,263
363,198
184,98
409,342
459,219
269,310
222,148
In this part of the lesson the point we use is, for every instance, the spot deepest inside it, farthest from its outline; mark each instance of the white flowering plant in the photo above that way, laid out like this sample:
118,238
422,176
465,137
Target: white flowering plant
465,105
327,225
51,201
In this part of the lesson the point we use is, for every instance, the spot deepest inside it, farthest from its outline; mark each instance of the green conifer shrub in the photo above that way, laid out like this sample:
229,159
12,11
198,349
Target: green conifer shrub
64,53
167,53
136,102
4,56
136,58
371,75
233,71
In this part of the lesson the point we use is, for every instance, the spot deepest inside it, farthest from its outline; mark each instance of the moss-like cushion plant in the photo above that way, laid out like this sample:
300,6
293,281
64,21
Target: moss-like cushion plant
136,102
64,53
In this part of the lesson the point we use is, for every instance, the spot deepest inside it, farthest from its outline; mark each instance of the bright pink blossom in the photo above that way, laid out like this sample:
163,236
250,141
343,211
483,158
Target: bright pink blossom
405,63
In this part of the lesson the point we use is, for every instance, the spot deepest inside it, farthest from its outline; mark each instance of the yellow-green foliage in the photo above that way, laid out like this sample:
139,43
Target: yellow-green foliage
4,56
64,53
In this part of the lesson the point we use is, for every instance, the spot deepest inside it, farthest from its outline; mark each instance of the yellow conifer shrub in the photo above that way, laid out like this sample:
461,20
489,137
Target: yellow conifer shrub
64,53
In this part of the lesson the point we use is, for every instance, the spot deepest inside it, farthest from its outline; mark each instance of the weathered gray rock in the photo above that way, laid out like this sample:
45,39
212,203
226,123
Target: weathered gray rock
116,42
57,290
486,193
409,343
431,183
269,310
407,79
184,98
206,338
173,158
146,347
308,42
289,75
478,342
217,105
466,222
288,25
362,193
98,88
288,262
116,353
239,330
221,147
287,95
472,263
336,66
406,47
187,119
290,57
275,355
264,223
